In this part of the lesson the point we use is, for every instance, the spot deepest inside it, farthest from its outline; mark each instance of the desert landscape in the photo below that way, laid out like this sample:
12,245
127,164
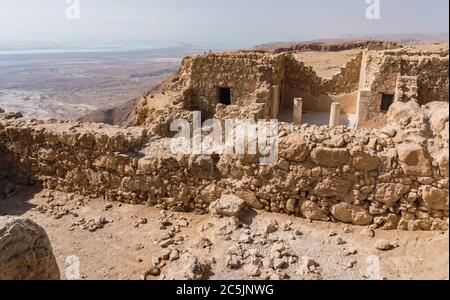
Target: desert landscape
71,85
359,190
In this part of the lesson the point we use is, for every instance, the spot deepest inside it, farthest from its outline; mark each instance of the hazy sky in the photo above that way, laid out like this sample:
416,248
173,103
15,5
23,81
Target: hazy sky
229,23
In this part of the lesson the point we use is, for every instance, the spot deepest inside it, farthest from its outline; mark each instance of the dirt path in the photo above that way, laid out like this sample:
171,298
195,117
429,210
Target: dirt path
125,246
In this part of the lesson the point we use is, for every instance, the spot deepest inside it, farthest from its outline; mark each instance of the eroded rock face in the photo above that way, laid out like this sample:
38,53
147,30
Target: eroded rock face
25,251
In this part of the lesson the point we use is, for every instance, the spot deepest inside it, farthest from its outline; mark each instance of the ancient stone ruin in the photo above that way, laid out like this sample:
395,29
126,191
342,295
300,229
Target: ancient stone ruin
394,176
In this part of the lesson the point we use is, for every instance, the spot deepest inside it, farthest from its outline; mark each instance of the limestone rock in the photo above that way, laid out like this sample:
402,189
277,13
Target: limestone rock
251,199
404,110
414,160
188,267
347,213
363,160
434,198
390,193
228,206
330,157
202,167
383,245
25,251
312,211
334,187
438,114
293,148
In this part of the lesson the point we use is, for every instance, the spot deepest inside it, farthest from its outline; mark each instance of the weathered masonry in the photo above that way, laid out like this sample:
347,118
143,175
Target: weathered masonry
394,178
398,75
266,84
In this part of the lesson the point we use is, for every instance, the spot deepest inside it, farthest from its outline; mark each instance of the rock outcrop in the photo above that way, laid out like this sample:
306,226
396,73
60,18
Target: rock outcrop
25,251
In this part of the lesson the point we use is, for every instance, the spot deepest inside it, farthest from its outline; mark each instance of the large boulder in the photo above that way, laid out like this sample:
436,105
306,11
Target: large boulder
251,199
202,166
414,160
438,114
25,251
402,111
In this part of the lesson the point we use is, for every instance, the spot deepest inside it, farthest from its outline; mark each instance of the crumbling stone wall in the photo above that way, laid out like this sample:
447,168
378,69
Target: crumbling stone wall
391,178
347,80
252,78
318,93
249,75
382,70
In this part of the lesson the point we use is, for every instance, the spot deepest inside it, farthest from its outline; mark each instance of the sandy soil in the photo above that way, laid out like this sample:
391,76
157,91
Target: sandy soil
124,248
326,64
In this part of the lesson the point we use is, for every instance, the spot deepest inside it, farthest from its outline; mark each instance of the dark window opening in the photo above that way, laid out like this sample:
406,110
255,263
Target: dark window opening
386,102
225,96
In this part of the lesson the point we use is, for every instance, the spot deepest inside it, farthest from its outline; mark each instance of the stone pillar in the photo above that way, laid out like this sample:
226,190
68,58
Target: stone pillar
298,110
335,115
363,107
276,102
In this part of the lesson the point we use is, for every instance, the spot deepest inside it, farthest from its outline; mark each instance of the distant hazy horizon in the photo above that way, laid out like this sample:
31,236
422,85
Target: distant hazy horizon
208,23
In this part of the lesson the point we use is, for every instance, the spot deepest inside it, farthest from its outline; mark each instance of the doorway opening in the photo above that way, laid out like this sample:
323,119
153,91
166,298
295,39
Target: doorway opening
386,101
225,96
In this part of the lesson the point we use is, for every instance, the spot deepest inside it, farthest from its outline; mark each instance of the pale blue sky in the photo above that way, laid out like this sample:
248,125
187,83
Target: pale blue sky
228,23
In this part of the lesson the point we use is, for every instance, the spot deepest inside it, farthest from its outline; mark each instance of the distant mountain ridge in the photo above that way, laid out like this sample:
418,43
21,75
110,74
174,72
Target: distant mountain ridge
357,41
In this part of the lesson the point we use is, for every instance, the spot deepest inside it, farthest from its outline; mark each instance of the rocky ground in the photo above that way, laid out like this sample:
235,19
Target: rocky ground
115,241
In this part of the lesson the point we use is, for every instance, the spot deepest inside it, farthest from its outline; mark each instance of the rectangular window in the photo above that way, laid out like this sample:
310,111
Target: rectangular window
386,102
225,96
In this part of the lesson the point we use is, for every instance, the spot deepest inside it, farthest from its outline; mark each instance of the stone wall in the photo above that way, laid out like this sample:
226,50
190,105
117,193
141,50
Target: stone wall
391,178
248,75
347,80
382,70
256,78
